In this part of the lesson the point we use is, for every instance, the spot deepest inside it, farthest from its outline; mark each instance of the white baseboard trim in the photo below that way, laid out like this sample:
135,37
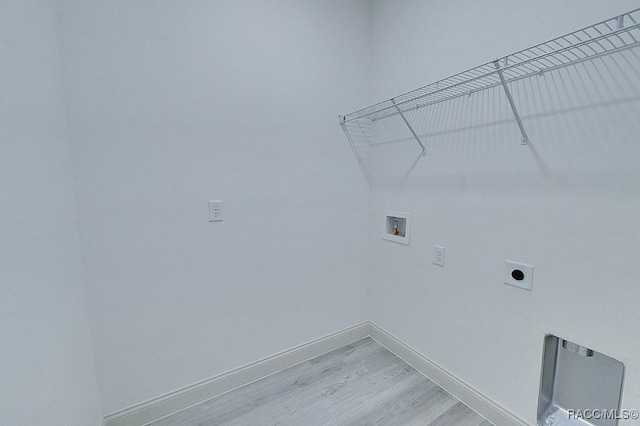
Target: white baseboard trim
170,403
446,380
173,402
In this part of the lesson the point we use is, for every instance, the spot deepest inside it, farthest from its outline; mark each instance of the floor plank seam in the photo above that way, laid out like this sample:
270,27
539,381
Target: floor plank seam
359,383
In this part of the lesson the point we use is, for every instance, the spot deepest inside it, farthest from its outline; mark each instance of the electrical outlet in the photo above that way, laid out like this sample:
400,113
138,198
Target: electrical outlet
518,275
438,255
215,211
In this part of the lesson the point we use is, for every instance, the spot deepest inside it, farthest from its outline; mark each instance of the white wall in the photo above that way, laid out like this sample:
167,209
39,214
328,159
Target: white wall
172,104
47,375
568,203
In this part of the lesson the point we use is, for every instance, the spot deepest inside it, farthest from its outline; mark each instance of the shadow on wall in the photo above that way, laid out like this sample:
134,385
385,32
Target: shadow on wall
579,118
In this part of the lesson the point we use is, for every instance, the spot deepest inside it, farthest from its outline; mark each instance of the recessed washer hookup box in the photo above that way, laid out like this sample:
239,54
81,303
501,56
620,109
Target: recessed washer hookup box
578,386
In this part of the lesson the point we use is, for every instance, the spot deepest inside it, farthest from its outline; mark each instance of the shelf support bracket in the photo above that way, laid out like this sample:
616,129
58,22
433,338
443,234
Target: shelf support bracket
525,138
415,135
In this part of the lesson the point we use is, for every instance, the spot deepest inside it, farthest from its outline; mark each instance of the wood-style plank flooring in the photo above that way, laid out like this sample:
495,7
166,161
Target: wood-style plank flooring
358,384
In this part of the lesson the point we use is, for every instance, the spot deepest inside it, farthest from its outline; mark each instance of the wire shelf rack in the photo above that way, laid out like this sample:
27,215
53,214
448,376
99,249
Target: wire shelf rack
604,38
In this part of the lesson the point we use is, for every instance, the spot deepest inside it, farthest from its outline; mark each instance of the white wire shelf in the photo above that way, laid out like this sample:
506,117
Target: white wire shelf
604,38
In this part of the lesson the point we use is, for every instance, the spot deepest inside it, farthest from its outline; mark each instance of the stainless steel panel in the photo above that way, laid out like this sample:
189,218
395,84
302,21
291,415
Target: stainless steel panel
575,381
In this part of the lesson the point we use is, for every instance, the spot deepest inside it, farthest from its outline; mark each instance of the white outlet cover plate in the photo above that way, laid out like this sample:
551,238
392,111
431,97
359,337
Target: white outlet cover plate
438,255
215,211
526,283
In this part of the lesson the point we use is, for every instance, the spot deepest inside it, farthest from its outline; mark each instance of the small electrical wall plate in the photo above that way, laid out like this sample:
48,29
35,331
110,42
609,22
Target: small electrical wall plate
215,211
438,255
396,226
518,275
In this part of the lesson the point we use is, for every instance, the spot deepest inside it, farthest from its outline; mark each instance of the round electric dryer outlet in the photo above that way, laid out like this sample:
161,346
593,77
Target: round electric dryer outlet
518,275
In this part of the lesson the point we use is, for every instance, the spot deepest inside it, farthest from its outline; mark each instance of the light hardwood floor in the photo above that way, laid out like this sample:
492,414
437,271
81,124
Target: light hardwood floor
358,384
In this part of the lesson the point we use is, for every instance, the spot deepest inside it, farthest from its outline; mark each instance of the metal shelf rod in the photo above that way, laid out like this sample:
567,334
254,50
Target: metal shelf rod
413,132
373,138
492,85
525,138
562,51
